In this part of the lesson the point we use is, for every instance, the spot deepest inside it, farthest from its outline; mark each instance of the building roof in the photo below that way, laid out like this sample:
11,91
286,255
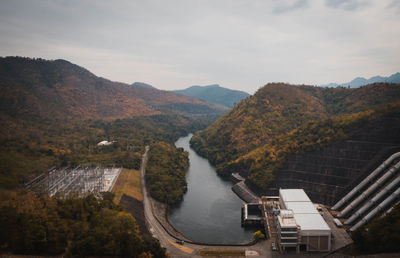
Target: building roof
286,219
311,222
305,213
286,213
301,207
105,143
293,195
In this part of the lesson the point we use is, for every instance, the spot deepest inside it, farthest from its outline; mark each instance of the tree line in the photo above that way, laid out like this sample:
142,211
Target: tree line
165,172
90,226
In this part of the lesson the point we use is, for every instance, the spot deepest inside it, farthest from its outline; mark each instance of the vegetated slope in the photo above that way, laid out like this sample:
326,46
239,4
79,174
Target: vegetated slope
90,226
324,157
381,235
361,81
55,113
165,172
215,94
48,89
256,136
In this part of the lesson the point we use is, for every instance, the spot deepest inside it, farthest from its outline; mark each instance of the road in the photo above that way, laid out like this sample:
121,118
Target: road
153,225
186,250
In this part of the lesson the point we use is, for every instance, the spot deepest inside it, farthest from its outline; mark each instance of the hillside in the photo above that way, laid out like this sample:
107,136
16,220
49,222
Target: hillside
48,89
258,134
142,84
215,94
361,81
53,113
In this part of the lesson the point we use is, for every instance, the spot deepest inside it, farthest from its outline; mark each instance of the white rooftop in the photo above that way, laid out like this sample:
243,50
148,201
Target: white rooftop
287,222
293,195
286,213
311,222
105,143
305,213
301,207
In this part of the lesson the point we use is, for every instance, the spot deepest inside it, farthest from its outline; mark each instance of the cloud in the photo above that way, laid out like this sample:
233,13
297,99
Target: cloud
236,43
349,5
394,4
291,5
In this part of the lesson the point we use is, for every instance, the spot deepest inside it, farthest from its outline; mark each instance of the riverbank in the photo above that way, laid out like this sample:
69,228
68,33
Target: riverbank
161,214
210,212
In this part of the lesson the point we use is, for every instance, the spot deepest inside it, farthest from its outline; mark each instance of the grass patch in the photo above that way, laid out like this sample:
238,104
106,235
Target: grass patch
221,253
128,183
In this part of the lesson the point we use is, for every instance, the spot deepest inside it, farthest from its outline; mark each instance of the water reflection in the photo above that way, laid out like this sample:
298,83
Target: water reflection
210,211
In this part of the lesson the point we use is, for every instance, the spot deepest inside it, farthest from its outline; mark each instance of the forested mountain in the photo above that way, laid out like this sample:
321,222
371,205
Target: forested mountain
361,81
258,134
55,113
49,89
214,94
142,84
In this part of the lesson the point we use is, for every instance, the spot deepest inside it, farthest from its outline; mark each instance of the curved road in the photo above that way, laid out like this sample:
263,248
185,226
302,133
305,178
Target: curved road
186,250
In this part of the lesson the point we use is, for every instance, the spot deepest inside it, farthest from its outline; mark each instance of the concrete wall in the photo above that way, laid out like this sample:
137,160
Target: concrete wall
317,243
328,173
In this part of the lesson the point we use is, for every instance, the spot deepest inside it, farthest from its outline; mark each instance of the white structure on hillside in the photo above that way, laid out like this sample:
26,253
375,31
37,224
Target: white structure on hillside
105,143
299,224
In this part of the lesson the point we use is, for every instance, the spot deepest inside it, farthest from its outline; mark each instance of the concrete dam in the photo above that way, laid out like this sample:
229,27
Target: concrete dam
330,173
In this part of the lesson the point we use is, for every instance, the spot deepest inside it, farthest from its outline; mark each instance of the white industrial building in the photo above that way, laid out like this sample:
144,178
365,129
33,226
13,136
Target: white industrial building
299,223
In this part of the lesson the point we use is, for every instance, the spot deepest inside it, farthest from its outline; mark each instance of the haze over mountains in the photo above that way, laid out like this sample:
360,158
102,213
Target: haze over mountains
215,94
53,113
360,81
61,89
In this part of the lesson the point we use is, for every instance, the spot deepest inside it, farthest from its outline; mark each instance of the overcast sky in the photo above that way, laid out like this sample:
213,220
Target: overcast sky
235,43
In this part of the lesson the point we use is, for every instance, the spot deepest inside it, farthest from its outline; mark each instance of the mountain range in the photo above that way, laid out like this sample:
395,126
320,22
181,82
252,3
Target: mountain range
360,81
214,94
255,137
37,87
142,84
53,113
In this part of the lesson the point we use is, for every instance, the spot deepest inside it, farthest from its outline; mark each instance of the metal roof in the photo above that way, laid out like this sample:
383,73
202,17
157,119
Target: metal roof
301,207
293,195
305,214
311,222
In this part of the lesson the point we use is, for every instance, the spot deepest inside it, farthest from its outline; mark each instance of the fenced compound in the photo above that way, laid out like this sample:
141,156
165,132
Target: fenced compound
79,181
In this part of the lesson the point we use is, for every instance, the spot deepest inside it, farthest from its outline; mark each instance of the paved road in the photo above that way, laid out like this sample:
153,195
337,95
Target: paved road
153,225
186,250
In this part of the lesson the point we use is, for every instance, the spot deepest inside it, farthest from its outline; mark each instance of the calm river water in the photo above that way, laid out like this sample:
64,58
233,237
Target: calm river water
210,211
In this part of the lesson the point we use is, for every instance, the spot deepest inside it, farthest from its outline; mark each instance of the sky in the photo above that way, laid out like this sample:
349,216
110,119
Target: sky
239,44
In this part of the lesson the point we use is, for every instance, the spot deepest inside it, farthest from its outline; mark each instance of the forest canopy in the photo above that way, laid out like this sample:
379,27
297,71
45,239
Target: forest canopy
165,172
89,226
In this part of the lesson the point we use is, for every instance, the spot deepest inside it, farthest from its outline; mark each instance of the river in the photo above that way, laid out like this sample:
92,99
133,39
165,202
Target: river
210,212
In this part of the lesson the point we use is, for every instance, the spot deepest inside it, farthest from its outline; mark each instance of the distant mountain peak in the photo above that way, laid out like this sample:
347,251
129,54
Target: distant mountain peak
214,93
142,84
361,81
47,89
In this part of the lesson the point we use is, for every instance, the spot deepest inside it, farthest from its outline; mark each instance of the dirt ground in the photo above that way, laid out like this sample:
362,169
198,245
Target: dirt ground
128,183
